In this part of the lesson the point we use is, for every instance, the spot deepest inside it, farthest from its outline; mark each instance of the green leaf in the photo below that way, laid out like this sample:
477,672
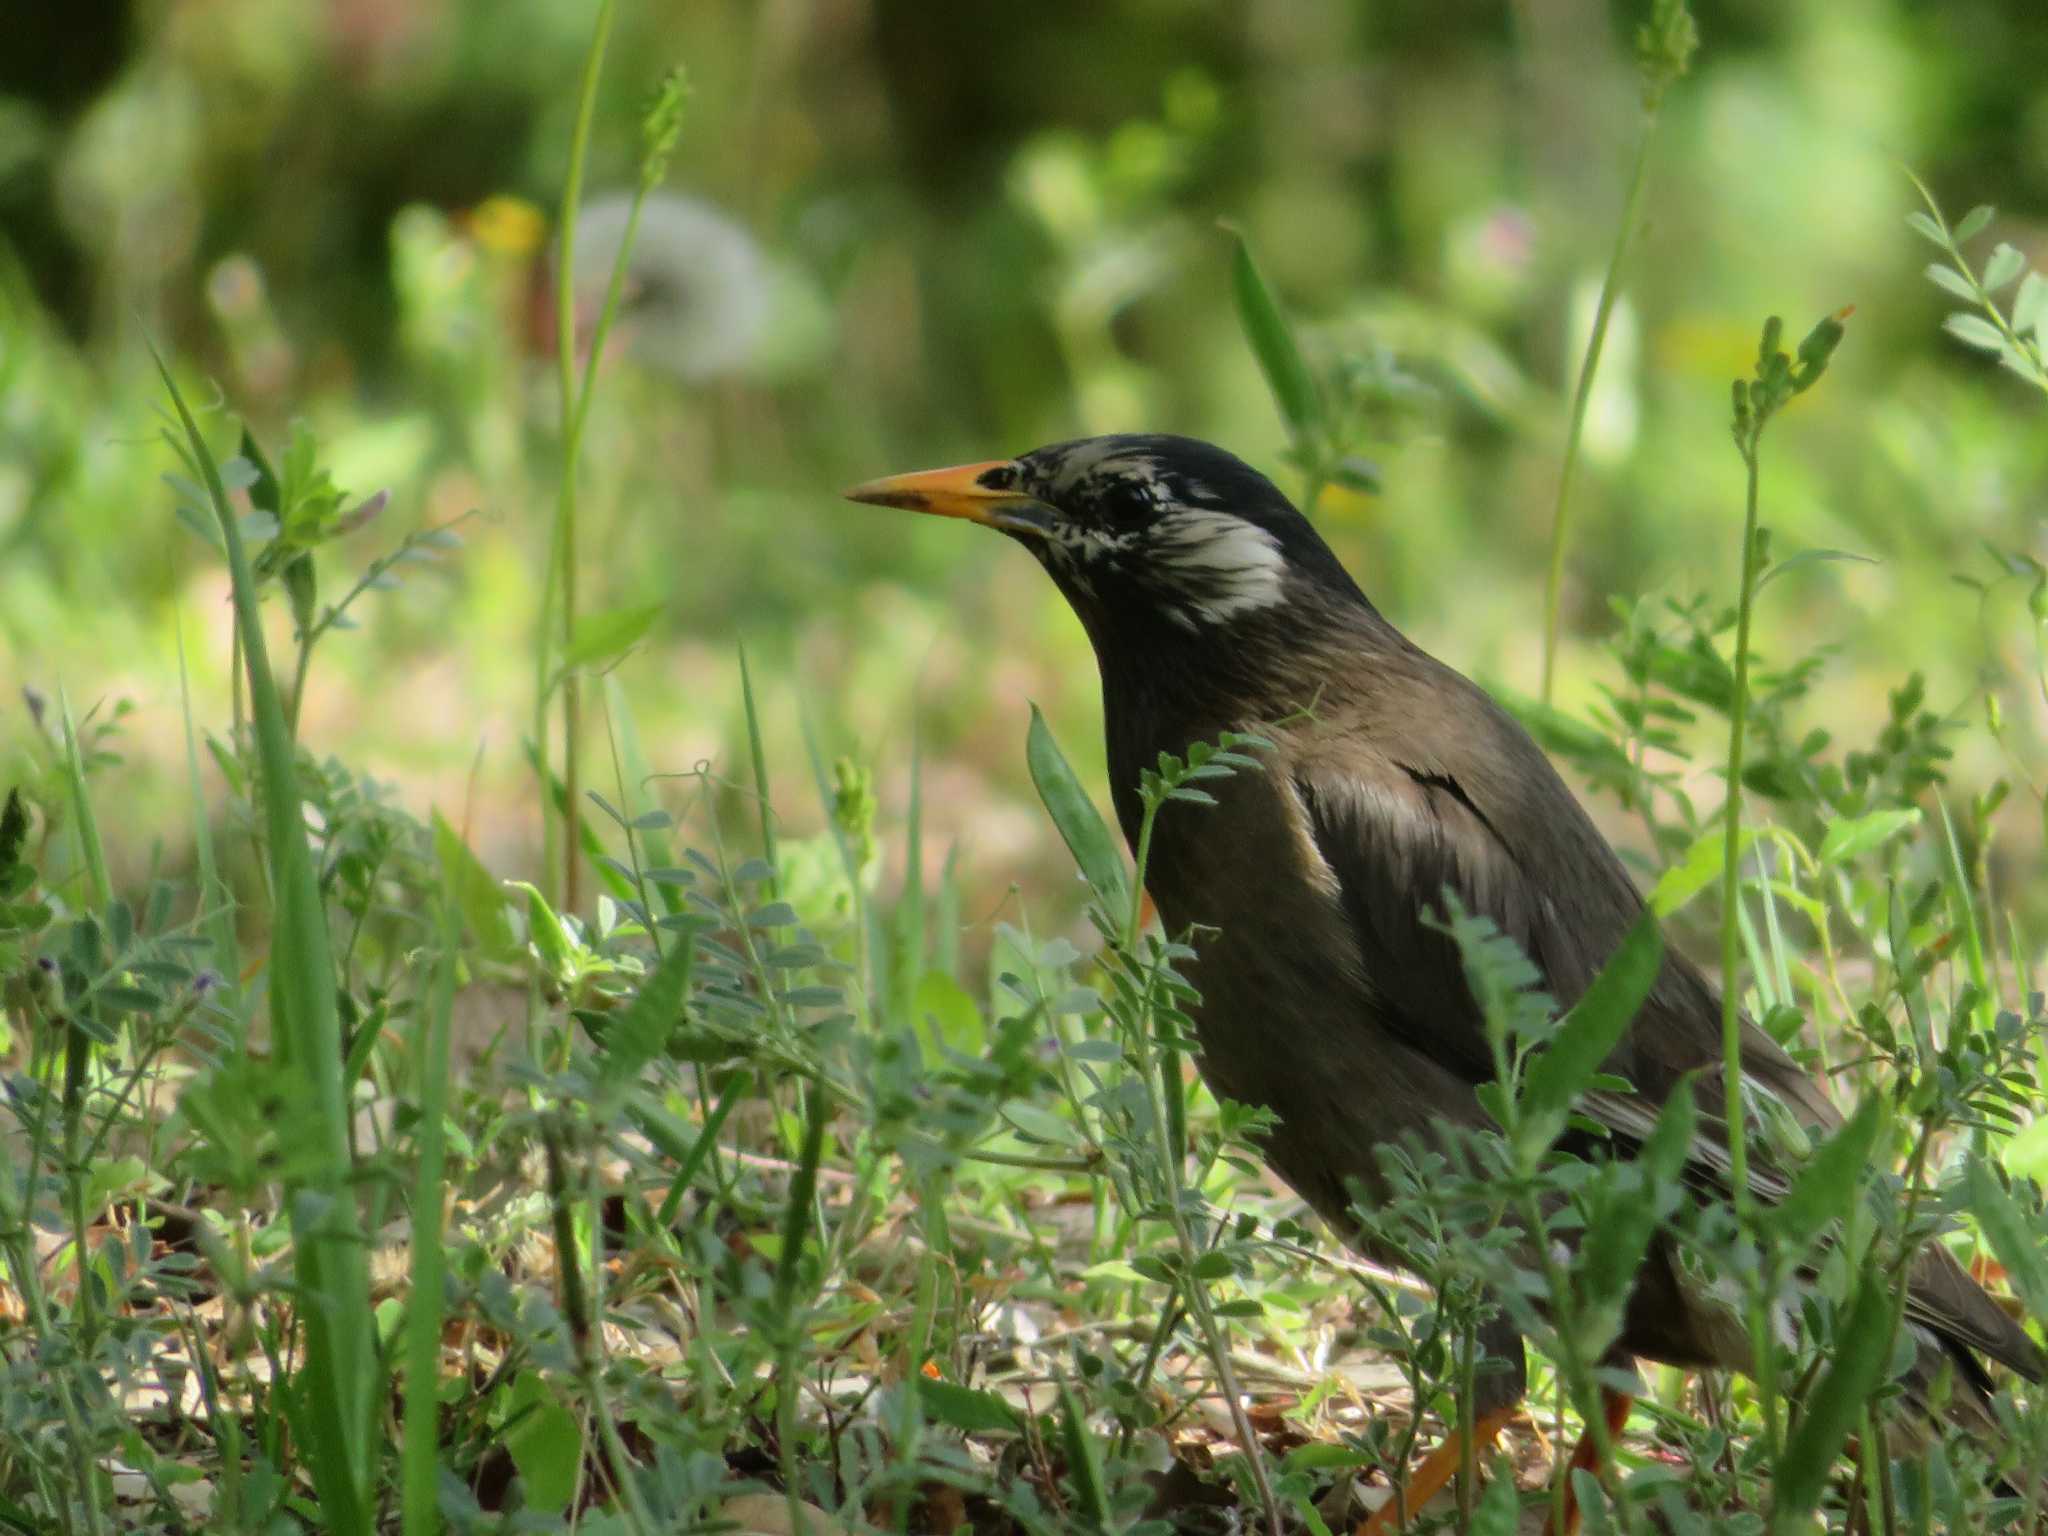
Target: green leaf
1634,1198
1824,1189
1586,1036
1084,1467
963,1408
2016,1240
1806,557
1974,223
1927,228
1700,868
603,636
2025,1153
640,1031
477,894
1041,1124
1294,389
951,1010
2005,265
1850,837
1863,1349
1080,825
1499,1511
1942,275
550,938
2030,307
545,1443
1974,331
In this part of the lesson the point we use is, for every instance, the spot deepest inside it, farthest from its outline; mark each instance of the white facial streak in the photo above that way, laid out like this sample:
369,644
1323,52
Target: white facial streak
1216,564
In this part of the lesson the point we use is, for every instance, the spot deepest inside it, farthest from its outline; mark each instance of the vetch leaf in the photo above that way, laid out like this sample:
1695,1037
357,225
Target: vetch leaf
1974,331
2005,265
1586,1035
1974,223
2030,306
1041,1124
1926,228
1294,388
1080,825
1942,275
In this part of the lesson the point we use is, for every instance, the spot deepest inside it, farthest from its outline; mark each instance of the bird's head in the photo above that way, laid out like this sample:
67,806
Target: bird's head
1153,536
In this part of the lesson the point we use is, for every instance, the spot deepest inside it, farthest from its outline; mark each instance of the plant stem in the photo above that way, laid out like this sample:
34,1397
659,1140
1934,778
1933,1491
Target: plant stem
1610,288
1731,852
1173,1150
560,586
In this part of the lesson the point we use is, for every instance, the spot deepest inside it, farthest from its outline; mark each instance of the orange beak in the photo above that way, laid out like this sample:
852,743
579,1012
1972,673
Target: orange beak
959,492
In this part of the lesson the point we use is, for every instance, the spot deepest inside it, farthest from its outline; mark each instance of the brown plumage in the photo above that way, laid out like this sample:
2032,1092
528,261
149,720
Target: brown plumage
1212,606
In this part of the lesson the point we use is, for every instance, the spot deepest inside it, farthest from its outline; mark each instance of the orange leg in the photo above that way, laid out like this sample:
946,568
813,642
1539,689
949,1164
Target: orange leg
1614,1408
1429,1479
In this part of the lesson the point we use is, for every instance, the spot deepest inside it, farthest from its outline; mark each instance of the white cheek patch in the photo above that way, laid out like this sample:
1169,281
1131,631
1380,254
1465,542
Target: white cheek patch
1216,565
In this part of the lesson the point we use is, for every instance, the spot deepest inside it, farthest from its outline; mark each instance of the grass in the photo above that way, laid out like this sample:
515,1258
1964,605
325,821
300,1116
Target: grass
357,1182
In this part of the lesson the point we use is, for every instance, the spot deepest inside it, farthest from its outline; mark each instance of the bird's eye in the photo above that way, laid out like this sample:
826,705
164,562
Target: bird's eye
1000,478
1127,504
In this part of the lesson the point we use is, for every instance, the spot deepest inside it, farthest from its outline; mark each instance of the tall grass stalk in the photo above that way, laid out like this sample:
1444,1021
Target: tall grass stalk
336,1389
1664,48
558,592
1731,846
420,1469
559,616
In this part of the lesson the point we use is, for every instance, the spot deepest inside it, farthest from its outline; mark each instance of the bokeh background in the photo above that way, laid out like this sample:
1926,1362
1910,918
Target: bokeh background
904,234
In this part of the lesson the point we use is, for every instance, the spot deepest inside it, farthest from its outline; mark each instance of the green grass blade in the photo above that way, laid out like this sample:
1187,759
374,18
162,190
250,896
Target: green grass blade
419,1459
1080,825
215,900
89,848
1273,344
339,1374
758,752
1857,1371
1592,1029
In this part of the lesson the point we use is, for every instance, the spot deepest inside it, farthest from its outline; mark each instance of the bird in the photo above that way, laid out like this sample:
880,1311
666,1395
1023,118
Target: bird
1328,995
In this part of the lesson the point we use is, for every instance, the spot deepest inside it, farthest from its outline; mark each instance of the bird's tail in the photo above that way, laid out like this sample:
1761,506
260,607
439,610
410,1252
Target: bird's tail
1948,1385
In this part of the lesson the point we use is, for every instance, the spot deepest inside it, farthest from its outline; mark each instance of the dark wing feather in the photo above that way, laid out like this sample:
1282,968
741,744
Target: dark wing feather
1462,799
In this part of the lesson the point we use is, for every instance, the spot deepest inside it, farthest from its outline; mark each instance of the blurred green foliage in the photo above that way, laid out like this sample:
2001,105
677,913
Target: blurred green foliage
919,233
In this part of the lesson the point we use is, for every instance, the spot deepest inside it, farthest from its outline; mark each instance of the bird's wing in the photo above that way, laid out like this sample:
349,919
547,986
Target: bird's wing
1397,833
1396,839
